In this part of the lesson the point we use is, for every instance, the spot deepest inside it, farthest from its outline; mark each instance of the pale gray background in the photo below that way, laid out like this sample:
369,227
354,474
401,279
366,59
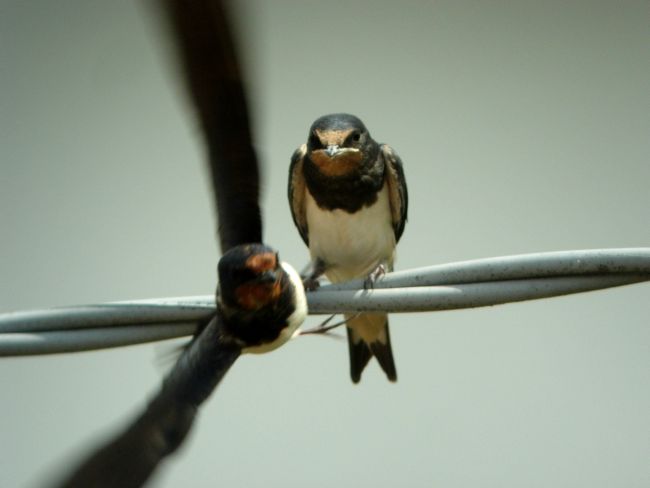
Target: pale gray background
523,127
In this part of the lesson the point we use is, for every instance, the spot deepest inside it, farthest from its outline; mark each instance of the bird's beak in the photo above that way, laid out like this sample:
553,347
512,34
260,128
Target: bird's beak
268,277
332,150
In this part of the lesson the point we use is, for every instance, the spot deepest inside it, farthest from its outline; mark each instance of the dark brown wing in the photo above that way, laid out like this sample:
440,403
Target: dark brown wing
297,193
130,458
213,80
397,192
201,33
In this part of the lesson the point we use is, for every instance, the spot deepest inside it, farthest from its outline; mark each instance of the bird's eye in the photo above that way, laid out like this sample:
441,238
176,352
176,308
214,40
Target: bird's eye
314,142
353,138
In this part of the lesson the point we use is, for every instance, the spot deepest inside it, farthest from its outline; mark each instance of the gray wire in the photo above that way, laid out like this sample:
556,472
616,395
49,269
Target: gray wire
33,343
142,312
534,265
466,295
466,284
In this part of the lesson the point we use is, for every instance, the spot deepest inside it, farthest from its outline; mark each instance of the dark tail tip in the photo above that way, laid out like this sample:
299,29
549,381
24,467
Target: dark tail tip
361,352
384,355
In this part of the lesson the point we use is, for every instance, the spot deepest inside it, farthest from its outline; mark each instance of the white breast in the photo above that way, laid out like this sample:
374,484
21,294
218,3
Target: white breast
351,245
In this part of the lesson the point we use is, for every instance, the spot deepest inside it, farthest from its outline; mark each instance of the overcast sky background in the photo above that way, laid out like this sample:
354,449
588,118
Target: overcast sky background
523,126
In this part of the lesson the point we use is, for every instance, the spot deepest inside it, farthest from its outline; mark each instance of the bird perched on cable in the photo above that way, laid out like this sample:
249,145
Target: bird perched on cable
261,299
349,201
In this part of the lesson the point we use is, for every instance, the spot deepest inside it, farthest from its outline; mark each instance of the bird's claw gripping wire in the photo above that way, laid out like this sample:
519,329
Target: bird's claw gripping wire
373,276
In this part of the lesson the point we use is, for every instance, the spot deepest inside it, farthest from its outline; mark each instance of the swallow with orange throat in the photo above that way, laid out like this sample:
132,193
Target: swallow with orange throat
261,299
349,201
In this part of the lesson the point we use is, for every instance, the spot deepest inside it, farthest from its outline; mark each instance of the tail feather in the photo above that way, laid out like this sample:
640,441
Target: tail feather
360,354
384,354
368,336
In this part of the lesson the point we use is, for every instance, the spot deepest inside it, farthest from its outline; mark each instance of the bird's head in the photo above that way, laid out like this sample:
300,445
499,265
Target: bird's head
338,144
250,277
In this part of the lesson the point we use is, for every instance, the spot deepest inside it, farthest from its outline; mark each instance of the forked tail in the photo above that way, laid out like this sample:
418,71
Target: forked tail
368,336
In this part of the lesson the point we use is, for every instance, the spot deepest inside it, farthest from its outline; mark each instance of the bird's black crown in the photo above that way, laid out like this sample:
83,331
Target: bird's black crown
340,121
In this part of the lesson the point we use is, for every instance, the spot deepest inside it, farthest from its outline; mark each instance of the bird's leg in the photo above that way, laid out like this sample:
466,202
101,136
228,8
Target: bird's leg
311,273
323,328
373,276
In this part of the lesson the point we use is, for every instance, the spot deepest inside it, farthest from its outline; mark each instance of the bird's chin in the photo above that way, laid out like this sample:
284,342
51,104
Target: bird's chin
254,296
341,163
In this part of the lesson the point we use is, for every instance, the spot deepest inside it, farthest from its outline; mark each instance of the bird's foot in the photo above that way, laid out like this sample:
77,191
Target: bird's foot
310,283
311,273
375,274
325,327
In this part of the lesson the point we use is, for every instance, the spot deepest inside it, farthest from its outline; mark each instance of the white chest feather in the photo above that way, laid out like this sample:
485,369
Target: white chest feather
351,245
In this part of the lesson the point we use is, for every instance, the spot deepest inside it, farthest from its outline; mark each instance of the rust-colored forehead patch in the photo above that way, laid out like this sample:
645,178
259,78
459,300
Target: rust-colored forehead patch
333,137
262,262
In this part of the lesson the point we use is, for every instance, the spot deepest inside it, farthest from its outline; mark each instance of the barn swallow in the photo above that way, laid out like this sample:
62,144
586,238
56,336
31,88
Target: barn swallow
261,299
349,201
261,303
